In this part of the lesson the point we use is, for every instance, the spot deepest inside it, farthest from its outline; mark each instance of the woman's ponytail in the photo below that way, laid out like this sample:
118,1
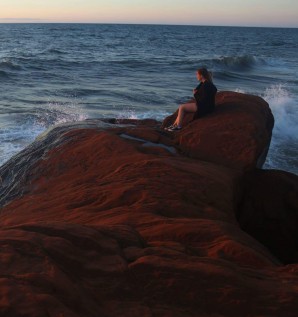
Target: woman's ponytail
210,76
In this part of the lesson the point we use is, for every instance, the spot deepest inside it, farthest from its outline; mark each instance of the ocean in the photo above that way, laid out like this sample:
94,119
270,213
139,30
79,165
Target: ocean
54,73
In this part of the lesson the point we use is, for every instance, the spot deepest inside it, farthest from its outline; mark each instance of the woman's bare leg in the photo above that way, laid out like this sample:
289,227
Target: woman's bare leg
186,107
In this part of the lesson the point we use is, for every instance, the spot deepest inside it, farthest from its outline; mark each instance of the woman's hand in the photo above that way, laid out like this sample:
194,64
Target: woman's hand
194,91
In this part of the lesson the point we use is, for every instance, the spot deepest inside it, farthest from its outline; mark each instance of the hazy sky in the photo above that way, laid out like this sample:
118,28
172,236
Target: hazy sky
197,12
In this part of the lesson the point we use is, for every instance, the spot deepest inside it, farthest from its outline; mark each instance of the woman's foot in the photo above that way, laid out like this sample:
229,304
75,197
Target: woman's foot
175,128
170,127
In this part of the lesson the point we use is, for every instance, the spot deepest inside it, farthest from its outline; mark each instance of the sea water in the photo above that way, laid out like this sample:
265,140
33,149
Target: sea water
53,73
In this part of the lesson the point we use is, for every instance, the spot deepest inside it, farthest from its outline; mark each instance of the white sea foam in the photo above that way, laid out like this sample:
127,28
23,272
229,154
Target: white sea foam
17,135
284,107
285,111
56,112
283,150
239,90
129,113
14,138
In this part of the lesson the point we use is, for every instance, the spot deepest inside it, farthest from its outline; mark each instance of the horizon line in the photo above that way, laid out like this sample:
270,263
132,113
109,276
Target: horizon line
36,21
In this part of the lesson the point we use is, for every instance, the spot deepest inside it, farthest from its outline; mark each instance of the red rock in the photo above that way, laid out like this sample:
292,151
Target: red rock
237,134
97,224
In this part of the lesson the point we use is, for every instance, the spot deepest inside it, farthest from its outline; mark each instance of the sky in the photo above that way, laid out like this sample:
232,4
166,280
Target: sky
274,13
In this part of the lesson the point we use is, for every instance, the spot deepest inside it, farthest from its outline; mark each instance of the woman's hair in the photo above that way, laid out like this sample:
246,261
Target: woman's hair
205,73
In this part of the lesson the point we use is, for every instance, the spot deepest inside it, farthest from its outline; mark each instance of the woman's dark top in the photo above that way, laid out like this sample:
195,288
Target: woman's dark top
205,97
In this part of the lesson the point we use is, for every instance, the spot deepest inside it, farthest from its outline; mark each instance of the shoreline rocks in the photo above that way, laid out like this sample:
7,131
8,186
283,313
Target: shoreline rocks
121,218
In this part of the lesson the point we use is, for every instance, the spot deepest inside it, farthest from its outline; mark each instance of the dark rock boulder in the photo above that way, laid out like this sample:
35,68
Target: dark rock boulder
269,211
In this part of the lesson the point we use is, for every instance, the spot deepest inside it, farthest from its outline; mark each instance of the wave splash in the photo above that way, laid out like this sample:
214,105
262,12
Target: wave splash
56,112
284,108
17,135
129,113
283,150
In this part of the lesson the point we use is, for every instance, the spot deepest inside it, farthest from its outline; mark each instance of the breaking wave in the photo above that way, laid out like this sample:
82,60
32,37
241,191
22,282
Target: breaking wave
8,64
283,151
284,108
16,136
242,62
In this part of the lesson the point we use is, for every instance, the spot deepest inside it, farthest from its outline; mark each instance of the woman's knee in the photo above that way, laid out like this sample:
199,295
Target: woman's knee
189,107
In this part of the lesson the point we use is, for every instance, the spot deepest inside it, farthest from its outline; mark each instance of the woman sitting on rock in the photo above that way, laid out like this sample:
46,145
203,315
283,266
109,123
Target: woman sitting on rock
204,99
